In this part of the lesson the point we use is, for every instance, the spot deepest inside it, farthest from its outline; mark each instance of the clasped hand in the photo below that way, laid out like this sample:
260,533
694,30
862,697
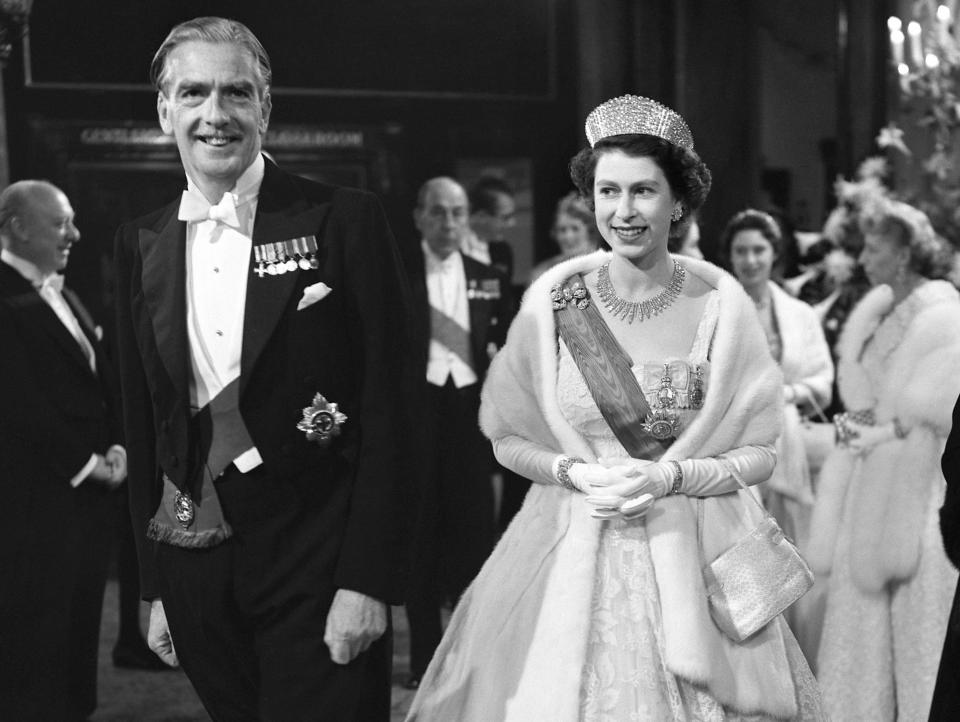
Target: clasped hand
862,438
622,486
111,468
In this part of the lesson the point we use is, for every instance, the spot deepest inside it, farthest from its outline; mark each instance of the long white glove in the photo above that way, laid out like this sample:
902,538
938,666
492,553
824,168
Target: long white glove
540,464
642,483
615,482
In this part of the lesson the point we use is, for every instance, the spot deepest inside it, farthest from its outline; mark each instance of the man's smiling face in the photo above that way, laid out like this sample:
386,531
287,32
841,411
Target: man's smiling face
215,104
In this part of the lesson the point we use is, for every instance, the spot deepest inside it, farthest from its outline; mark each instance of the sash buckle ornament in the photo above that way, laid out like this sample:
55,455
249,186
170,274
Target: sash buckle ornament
321,421
183,509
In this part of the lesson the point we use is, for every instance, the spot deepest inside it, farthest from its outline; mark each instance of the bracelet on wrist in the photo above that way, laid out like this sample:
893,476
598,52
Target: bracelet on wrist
562,473
677,477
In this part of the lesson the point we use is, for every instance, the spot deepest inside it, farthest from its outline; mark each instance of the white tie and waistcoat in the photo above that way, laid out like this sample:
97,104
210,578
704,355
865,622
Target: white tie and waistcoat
219,239
450,354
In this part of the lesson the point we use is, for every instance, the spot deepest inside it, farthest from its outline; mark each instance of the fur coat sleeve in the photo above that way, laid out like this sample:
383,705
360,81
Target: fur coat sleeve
806,356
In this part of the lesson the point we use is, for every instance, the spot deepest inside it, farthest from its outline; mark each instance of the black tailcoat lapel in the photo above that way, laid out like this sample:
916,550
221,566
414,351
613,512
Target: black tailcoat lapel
163,280
24,296
282,214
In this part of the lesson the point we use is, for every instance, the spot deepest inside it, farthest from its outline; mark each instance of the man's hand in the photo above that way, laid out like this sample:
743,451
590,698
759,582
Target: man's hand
111,469
158,635
117,460
102,472
354,623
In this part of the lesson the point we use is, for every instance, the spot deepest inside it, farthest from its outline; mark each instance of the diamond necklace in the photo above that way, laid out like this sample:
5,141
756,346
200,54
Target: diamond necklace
640,310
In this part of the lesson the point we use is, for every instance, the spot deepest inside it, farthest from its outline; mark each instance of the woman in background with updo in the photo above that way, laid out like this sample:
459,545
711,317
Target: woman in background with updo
574,231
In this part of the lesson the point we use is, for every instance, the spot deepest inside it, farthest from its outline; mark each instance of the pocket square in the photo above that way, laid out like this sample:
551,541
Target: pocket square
312,294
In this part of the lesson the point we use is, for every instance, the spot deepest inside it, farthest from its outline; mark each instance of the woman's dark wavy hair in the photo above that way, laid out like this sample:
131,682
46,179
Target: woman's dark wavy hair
751,219
688,176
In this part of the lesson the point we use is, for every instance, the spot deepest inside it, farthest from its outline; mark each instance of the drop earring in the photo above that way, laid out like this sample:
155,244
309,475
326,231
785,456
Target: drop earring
677,213
901,273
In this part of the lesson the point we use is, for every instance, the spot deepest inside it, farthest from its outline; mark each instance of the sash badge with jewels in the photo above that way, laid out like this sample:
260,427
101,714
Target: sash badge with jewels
321,421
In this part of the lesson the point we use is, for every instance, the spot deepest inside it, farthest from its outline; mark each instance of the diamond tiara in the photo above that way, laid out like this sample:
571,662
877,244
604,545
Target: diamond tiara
636,114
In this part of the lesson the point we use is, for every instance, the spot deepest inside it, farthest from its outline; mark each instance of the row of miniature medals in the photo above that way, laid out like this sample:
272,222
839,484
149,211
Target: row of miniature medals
282,257
663,421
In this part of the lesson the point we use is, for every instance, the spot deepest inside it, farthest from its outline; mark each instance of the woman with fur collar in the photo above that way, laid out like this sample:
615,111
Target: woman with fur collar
751,243
874,527
593,606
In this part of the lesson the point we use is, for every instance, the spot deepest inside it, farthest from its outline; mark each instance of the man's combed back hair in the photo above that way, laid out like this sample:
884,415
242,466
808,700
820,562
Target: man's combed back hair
485,193
210,30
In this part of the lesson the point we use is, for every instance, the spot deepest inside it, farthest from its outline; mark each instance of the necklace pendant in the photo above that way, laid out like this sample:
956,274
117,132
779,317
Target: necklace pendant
663,422
666,395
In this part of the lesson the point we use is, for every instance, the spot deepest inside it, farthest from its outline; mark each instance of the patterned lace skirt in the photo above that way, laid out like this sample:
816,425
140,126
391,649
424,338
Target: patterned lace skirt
626,677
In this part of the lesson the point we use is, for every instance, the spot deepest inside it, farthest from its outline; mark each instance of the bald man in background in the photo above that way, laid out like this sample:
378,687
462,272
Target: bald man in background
462,310
60,459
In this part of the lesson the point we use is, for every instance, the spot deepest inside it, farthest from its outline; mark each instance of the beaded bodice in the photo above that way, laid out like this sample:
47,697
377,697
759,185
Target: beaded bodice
688,378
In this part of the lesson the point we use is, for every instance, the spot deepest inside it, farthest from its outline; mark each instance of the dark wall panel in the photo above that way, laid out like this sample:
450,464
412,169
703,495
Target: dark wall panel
473,47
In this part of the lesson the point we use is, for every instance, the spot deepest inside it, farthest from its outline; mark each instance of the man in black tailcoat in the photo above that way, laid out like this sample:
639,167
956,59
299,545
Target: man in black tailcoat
260,319
462,310
60,459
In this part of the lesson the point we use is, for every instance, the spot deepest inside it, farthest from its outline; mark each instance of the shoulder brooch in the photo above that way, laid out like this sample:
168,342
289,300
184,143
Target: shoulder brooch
575,293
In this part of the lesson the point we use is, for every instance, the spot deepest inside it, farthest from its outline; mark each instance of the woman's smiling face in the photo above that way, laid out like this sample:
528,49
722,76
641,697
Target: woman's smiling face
633,203
752,257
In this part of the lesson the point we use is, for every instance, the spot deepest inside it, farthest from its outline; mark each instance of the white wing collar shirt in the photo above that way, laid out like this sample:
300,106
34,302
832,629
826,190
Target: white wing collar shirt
447,294
219,240
50,288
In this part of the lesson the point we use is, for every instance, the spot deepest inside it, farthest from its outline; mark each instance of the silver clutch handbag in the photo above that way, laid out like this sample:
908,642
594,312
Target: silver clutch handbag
755,579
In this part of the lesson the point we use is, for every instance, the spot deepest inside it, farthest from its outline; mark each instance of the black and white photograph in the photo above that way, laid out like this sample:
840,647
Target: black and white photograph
480,361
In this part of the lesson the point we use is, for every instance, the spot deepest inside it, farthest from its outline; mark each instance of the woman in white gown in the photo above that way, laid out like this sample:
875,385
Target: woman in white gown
875,526
751,242
593,606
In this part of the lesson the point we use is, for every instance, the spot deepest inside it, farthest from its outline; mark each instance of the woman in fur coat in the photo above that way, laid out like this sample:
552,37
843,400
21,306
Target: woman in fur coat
874,527
751,243
635,389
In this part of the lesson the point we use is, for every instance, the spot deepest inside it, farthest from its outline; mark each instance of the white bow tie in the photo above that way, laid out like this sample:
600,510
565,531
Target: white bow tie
193,207
54,280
